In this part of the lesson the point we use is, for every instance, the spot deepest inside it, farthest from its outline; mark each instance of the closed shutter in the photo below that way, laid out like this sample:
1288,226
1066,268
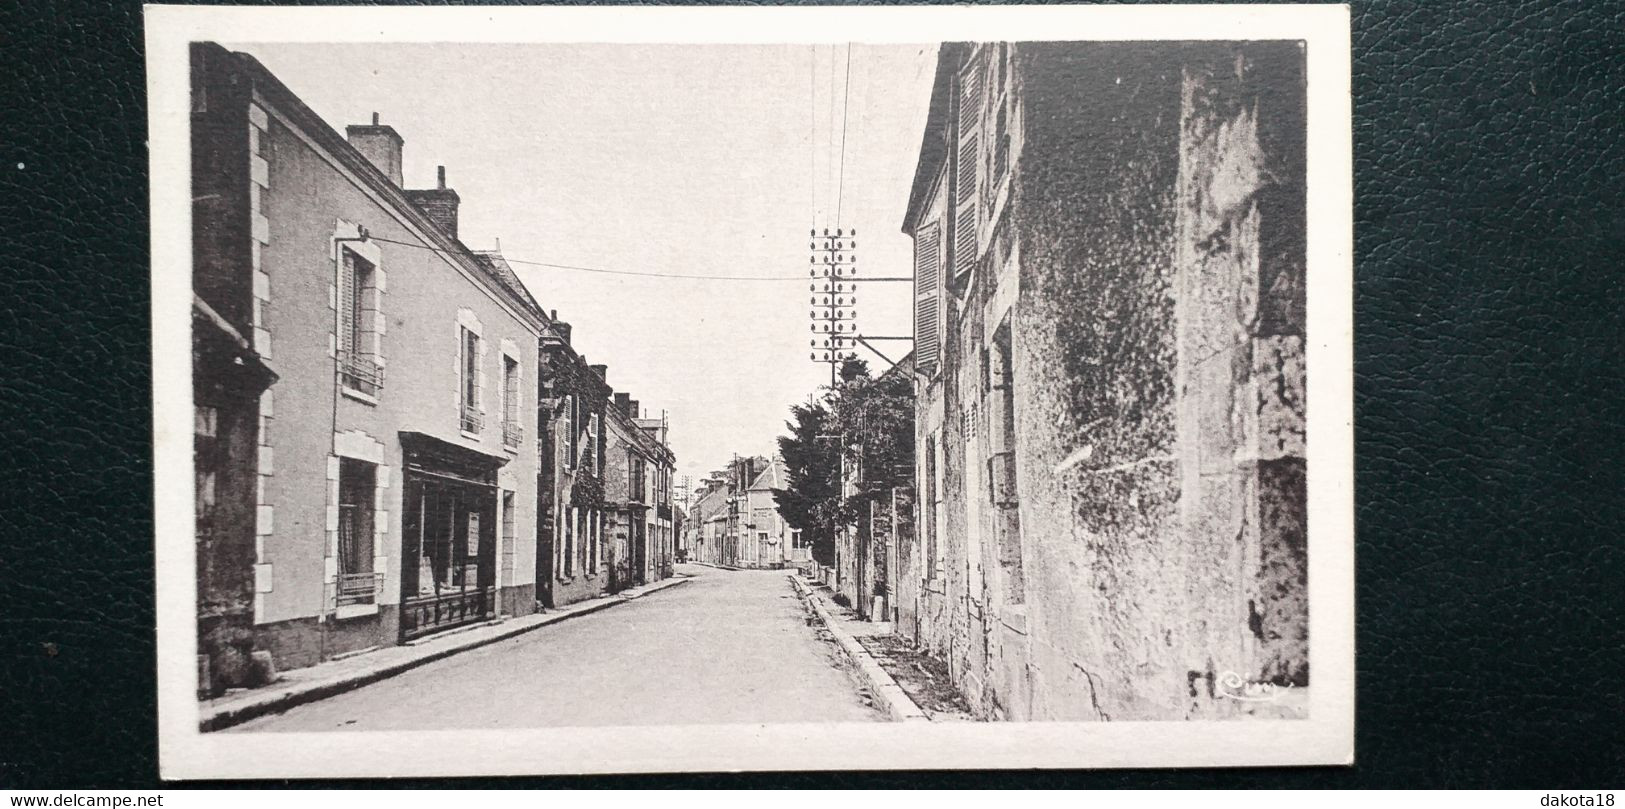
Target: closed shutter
968,160
998,144
349,301
927,295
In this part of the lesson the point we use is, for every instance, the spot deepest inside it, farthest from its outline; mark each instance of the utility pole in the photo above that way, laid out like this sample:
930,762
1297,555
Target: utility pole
832,287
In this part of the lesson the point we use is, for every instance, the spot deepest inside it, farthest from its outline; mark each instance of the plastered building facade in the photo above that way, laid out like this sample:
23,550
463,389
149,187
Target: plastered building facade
395,464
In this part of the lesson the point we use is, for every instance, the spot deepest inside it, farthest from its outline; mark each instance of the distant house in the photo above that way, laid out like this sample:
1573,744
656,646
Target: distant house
766,540
572,405
637,491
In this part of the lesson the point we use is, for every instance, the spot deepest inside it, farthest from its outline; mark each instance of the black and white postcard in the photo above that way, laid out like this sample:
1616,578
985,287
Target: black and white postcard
578,390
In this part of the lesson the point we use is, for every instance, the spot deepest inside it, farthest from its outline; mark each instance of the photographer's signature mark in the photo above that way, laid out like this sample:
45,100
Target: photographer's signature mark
1234,686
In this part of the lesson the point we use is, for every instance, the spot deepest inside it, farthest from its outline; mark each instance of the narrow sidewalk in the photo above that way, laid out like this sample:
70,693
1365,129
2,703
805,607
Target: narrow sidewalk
913,685
300,686
889,697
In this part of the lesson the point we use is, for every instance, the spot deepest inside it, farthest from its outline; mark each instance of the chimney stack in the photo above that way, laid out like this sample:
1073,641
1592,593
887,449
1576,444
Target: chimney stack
632,408
440,203
562,329
601,370
621,400
380,144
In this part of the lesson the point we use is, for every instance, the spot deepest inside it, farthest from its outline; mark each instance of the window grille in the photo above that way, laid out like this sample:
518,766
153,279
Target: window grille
361,372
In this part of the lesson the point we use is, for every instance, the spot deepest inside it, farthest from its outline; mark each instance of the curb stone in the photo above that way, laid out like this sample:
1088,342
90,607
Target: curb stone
276,700
890,697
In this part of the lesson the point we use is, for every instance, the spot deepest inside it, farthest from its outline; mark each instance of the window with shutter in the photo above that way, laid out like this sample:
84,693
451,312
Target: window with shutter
350,306
998,143
927,288
471,420
358,363
967,174
569,432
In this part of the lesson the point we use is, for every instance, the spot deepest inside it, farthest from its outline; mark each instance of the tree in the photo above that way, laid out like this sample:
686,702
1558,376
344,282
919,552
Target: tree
812,462
864,424
875,418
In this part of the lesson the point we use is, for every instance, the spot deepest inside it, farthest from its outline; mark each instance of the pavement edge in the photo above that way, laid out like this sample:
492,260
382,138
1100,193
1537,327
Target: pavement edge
893,701
227,716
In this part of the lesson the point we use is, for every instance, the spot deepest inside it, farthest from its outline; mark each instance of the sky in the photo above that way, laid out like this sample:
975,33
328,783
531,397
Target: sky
670,159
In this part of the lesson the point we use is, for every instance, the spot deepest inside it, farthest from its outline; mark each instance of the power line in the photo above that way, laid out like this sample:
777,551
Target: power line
829,178
578,268
812,129
846,92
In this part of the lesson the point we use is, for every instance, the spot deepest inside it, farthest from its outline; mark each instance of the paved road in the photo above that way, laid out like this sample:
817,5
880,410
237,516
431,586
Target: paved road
730,646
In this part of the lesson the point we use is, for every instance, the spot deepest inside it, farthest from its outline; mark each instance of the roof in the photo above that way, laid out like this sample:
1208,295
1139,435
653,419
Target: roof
904,367
772,477
290,104
934,143
498,267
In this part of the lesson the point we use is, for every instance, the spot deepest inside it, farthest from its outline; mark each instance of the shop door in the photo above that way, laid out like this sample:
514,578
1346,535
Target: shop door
448,568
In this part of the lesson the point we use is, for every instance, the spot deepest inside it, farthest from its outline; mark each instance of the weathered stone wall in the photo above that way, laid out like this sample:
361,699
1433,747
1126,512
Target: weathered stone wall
1241,311
904,574
1093,361
1150,264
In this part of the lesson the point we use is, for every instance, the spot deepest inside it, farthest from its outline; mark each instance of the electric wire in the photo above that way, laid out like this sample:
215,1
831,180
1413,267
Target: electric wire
846,91
579,268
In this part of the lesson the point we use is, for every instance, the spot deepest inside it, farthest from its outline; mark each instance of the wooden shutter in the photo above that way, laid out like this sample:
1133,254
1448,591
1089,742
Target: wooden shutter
927,295
972,88
349,301
998,136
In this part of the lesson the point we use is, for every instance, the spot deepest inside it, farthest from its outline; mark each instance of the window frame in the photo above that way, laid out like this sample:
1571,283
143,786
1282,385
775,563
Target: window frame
358,584
513,431
357,327
469,390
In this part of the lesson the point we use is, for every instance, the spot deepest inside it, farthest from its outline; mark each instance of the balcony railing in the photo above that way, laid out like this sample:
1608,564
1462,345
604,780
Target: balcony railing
513,433
361,372
472,422
358,588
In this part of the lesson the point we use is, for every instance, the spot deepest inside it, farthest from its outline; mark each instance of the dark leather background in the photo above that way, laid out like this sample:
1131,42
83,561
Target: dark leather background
1489,173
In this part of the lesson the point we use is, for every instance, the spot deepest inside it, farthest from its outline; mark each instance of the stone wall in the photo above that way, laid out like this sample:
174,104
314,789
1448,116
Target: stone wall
1148,264
1240,294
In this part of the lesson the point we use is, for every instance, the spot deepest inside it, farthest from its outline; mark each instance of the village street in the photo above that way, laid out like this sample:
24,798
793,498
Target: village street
729,646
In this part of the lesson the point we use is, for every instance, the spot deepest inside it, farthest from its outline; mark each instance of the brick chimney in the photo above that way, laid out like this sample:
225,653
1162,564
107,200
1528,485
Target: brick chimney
632,408
380,144
562,329
440,203
620,401
601,370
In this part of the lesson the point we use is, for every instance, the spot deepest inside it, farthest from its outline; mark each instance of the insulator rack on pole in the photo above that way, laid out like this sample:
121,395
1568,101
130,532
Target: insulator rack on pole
832,290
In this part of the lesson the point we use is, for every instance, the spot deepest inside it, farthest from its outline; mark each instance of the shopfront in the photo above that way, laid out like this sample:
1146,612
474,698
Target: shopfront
448,526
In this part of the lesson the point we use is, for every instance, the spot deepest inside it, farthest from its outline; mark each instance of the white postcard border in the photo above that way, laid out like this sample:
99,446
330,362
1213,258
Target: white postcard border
1326,737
